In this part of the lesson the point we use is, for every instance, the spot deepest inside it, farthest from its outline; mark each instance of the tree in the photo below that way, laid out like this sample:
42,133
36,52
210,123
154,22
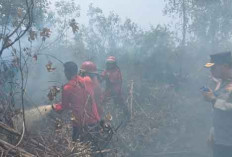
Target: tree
15,23
208,22
107,35
212,22
181,9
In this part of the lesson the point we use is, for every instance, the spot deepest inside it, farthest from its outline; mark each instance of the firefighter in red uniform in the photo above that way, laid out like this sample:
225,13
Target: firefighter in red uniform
113,78
78,96
89,72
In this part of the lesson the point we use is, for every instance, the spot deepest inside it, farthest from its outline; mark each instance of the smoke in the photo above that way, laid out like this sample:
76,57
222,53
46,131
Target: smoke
167,79
35,119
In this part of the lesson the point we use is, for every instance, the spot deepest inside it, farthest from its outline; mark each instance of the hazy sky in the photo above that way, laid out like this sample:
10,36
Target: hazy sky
143,12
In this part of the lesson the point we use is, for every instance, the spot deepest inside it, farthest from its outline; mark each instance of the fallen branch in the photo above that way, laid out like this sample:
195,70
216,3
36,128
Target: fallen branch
15,150
40,145
9,129
104,151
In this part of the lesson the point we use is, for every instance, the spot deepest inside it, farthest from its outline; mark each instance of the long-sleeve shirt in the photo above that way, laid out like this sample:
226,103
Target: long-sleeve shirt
113,79
78,96
222,115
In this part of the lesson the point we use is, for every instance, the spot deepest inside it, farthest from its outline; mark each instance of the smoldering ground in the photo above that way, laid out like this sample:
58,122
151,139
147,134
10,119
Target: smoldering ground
170,116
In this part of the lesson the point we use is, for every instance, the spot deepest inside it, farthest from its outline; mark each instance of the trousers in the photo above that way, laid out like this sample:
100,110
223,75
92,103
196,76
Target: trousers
84,133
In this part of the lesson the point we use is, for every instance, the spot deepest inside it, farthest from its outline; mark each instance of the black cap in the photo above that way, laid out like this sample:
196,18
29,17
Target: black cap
220,58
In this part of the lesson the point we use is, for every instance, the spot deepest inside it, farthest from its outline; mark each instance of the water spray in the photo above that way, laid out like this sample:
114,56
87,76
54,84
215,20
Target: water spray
34,118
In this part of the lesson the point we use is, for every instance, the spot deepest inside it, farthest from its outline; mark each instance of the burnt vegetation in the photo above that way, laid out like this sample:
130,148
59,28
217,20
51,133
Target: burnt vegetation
161,68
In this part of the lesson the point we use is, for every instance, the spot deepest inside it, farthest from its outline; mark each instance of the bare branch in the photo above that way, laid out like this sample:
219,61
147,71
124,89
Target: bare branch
28,14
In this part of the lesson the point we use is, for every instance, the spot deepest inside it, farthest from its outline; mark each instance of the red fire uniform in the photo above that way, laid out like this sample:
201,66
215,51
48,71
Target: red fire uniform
78,95
113,89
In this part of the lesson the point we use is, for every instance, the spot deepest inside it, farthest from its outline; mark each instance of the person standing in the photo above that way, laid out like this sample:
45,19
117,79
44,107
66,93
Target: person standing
221,100
113,79
78,96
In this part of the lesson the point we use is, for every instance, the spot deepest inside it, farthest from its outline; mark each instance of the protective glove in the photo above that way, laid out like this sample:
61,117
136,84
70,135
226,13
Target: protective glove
57,107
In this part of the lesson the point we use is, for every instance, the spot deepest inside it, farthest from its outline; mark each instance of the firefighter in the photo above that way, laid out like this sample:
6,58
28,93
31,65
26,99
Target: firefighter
78,96
221,100
113,79
89,72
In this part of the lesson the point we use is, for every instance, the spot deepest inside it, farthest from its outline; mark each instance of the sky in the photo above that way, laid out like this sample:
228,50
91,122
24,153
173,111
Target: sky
143,12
